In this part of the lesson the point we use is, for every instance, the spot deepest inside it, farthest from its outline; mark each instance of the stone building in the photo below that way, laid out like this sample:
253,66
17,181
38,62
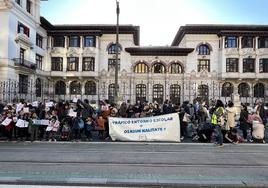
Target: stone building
40,60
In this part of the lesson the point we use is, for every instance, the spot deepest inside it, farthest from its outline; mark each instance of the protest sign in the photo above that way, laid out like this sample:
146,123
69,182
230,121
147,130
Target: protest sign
6,122
157,128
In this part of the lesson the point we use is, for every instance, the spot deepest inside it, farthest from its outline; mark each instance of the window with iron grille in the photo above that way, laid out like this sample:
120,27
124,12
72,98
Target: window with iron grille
248,65
175,93
60,88
263,65
74,41
203,64
38,87
58,41
88,64
112,49
72,63
247,42
227,89
141,68
232,65
259,90
111,64
56,64
90,88
176,68
263,42
159,68
158,93
243,90
203,50
23,84
231,42
89,41
39,61
75,88
141,93
39,40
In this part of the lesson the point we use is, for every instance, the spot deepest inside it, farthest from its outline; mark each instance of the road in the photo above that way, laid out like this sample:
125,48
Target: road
134,164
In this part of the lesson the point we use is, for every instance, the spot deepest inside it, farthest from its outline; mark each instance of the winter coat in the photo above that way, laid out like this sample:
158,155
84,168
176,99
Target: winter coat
230,114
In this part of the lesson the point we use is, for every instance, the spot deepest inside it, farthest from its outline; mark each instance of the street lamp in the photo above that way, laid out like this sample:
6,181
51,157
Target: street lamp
116,55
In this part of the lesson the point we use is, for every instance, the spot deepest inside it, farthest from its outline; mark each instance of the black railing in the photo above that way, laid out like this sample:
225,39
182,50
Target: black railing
24,63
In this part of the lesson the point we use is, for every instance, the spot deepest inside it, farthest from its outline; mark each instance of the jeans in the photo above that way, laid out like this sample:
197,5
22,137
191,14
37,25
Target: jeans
219,136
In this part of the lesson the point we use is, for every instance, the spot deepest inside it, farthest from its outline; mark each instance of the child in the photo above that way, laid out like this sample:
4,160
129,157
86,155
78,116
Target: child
89,126
232,136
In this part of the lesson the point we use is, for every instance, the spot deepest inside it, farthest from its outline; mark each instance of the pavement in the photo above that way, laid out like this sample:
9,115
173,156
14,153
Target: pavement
132,164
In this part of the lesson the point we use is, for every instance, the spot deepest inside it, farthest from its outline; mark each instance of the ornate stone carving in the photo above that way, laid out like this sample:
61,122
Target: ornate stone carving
88,51
262,51
247,52
73,51
231,51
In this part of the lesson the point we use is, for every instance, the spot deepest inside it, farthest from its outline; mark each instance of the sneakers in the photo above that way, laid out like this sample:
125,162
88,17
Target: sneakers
220,145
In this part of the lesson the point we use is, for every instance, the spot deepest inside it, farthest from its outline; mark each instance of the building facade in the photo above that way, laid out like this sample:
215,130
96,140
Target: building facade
40,60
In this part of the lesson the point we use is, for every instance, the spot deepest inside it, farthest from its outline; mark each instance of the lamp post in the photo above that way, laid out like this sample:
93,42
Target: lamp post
116,55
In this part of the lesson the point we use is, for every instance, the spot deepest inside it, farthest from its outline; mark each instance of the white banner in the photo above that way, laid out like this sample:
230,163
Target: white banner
156,128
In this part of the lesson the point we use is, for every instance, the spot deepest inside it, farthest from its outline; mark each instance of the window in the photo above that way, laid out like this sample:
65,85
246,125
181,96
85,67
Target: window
248,65
232,65
259,90
203,92
18,2
28,6
247,42
90,88
60,88
203,50
203,64
141,68
263,42
75,88
243,90
227,89
176,68
58,41
111,64
112,49
38,87
39,40
39,61
74,41
111,93
72,63
158,93
141,93
88,64
231,42
264,65
22,52
175,93
89,41
159,68
23,84
56,63
23,29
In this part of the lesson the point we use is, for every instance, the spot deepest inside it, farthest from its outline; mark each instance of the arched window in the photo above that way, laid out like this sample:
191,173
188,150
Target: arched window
158,93
259,90
203,92
141,68
243,90
112,48
159,68
203,49
90,88
175,93
75,88
38,87
175,68
60,88
141,93
227,89
111,92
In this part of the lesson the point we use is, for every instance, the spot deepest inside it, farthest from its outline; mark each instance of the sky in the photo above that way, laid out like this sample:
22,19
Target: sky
159,20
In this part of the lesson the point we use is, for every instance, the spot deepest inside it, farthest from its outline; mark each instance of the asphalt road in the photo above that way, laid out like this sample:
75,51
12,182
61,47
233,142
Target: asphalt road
134,164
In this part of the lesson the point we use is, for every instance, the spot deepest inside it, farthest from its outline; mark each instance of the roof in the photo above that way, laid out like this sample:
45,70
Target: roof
159,51
220,30
97,29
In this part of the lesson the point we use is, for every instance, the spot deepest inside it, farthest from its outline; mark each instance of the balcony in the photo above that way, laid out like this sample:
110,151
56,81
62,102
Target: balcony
24,63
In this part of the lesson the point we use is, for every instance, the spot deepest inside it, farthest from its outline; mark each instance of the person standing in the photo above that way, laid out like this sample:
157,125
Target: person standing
217,121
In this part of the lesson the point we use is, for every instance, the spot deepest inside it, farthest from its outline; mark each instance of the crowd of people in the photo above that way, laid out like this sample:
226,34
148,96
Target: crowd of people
78,120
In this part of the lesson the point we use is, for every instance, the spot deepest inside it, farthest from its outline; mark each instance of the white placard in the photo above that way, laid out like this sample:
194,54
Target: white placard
6,122
72,114
19,107
35,104
49,104
20,123
26,110
157,128
49,128
75,100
